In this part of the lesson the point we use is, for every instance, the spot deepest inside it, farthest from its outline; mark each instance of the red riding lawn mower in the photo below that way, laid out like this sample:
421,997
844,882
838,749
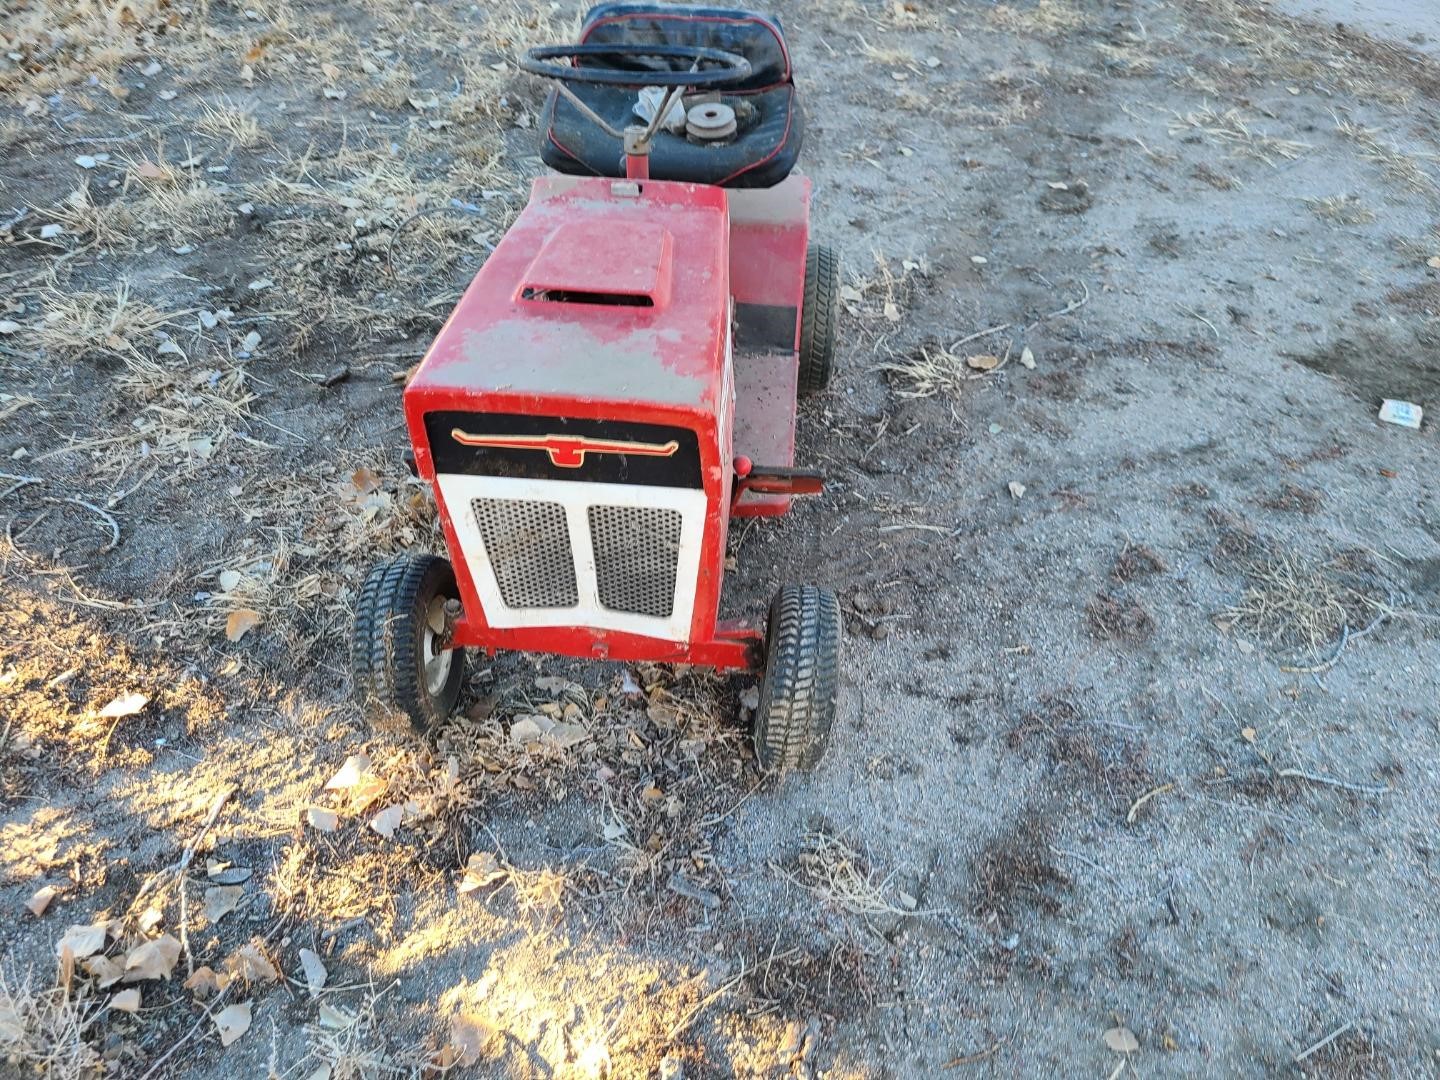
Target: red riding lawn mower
620,381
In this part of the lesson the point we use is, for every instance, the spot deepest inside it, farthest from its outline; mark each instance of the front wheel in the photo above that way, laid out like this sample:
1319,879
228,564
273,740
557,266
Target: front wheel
404,676
802,679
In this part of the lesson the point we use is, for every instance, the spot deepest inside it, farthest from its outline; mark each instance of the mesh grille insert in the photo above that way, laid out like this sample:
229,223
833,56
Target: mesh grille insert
636,553
528,545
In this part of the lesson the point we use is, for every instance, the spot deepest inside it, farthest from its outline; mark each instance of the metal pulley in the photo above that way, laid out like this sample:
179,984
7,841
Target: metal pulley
710,122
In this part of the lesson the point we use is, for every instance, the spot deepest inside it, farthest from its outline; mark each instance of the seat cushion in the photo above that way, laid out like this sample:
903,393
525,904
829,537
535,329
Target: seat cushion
761,155
771,126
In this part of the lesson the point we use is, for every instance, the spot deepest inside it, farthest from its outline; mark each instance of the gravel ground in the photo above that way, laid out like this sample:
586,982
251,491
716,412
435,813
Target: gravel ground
1136,763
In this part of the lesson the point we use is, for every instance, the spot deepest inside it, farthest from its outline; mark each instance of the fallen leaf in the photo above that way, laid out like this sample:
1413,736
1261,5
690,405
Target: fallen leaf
335,1019
1433,262
1027,359
127,1000
388,820
220,900
232,1022
323,820
315,973
468,1036
126,705
205,982
154,959
229,579
1058,185
481,869
1122,1040
40,899
365,480
241,622
983,362
355,767
83,941
1248,734
106,970
251,965
225,874
1017,489
891,311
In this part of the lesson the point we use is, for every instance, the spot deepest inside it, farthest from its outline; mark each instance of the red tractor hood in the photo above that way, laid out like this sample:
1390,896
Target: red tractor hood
606,297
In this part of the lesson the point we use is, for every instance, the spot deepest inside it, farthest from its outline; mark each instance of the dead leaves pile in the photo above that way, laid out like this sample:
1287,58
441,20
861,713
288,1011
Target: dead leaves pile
94,957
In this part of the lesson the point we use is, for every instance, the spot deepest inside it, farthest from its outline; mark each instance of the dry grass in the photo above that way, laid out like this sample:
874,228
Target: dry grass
226,120
45,1031
1398,166
108,224
80,325
937,371
1234,131
1047,18
837,874
1292,601
1341,210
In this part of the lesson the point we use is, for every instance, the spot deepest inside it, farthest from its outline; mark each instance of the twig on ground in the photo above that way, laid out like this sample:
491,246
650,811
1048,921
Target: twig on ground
1074,305
1314,778
105,515
163,875
20,482
709,999
1143,799
1345,638
1326,1041
116,499
1197,315
979,334
976,1058
1083,859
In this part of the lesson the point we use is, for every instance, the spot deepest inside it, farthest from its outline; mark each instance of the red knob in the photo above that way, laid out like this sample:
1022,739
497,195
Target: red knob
743,465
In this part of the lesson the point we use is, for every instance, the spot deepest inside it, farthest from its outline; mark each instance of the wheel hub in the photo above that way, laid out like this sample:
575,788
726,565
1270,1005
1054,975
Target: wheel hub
435,658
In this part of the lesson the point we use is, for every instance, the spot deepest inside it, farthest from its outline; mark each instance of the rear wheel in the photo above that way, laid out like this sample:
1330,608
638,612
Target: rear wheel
819,314
802,679
405,678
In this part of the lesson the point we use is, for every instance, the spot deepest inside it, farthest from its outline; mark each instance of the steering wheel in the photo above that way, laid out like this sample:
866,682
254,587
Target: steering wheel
733,68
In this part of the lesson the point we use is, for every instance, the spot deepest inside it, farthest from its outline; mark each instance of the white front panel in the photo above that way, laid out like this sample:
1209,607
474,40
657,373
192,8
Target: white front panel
576,497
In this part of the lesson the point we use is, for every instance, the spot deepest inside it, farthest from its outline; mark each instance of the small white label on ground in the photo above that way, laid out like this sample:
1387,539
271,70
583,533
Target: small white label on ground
1405,413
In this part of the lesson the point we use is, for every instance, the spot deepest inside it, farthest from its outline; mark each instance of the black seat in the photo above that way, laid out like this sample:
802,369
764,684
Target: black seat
769,124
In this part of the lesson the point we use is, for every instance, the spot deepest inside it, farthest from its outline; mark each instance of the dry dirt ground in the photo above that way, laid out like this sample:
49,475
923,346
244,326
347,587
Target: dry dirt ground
1136,768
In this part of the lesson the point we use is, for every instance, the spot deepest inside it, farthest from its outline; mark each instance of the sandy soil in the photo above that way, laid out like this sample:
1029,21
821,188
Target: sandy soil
1136,768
